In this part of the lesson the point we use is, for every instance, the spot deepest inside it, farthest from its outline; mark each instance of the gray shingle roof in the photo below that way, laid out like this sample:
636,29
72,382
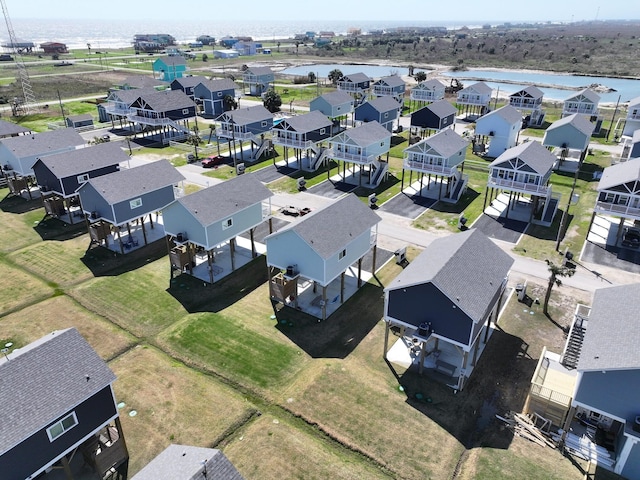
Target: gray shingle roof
329,230
590,95
120,186
131,95
167,100
355,78
531,90
248,115
619,174
446,142
337,97
219,84
442,108
508,113
173,60
82,160
467,267
611,339
479,87
218,202
579,122
533,153
391,81
43,143
44,380
307,122
259,71
141,81
184,462
190,81
431,84
367,134
10,128
384,104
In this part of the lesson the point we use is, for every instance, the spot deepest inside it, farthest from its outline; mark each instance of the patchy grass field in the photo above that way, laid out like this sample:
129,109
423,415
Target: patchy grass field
20,288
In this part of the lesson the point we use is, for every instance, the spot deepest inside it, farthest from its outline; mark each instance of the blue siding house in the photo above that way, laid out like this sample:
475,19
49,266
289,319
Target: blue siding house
169,68
335,105
305,134
436,116
246,124
187,84
391,86
384,110
258,80
211,94
60,402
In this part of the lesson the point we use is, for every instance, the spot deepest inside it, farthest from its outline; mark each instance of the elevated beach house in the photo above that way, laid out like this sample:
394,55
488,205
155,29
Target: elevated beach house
169,67
569,138
249,124
211,94
438,156
187,84
314,257
384,110
445,302
500,129
428,91
355,84
391,86
528,102
204,225
362,147
125,201
474,100
434,117
59,411
632,120
585,103
258,80
304,134
336,105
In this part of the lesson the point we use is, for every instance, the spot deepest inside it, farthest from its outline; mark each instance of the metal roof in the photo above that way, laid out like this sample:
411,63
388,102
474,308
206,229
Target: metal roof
219,201
44,380
83,160
533,154
467,267
330,229
43,143
132,182
611,339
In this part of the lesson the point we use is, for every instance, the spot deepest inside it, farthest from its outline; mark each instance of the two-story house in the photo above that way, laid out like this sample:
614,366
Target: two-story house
428,91
336,105
569,138
187,84
250,124
258,80
528,101
305,134
437,116
500,128
384,110
439,155
524,171
632,120
391,86
318,251
169,68
203,227
447,301
474,100
211,94
355,84
585,103
362,147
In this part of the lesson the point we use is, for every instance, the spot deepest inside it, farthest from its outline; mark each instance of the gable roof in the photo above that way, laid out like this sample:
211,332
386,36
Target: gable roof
82,160
579,122
172,60
43,143
141,81
130,95
337,97
634,102
219,84
329,229
467,267
529,91
355,78
10,128
619,174
366,134
479,87
245,116
120,186
166,100
184,462
189,80
533,154
382,104
442,108
590,95
431,84
508,113
45,379
391,81
258,71
219,201
611,339
446,143
81,117
307,122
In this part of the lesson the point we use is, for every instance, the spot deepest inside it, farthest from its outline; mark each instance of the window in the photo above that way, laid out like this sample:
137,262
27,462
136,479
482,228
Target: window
386,114
185,111
83,178
227,223
135,203
62,426
264,124
342,254
322,131
219,94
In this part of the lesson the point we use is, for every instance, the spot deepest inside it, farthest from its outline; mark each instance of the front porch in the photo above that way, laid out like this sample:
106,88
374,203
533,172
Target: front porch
127,237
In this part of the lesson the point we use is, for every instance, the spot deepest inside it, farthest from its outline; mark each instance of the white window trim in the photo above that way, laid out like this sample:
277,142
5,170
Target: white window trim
83,178
185,111
342,254
135,203
60,423
322,131
219,94
228,223
265,123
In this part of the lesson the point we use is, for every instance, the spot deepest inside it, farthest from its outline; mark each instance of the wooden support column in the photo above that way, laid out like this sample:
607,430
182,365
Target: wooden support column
190,256
254,254
465,359
270,225
232,249
486,193
342,287
421,180
68,206
324,302
166,241
475,353
144,230
402,181
359,272
619,232
593,217
151,221
129,229
374,255
64,461
488,326
386,338
439,190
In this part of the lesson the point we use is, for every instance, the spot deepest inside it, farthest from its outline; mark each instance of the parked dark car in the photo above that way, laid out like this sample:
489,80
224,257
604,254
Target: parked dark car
213,161
631,237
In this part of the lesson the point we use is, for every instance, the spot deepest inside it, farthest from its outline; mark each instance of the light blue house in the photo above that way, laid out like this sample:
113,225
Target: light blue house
169,68
258,80
632,120
320,248
500,128
305,134
336,105
211,94
363,147
129,195
585,102
246,124
428,91
569,136
384,110
215,216
475,99
391,86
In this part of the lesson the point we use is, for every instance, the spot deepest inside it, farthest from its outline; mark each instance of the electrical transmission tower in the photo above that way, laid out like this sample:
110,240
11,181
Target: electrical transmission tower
19,106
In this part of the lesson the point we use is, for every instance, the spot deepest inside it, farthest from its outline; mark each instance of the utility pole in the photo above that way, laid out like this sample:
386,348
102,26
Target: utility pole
64,117
613,117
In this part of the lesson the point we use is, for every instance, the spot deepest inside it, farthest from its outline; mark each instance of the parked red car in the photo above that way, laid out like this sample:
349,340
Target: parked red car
212,161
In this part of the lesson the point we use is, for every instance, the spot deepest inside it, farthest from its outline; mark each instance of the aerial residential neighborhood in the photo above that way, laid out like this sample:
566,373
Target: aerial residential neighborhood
231,272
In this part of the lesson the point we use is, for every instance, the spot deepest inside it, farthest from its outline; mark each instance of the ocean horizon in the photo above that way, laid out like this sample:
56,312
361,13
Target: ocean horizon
119,34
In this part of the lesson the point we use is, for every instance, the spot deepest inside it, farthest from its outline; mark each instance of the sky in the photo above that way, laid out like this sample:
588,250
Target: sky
464,11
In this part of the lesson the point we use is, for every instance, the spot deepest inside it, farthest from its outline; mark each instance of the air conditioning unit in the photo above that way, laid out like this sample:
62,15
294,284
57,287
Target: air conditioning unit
301,183
240,168
401,255
372,200
94,215
492,133
181,237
